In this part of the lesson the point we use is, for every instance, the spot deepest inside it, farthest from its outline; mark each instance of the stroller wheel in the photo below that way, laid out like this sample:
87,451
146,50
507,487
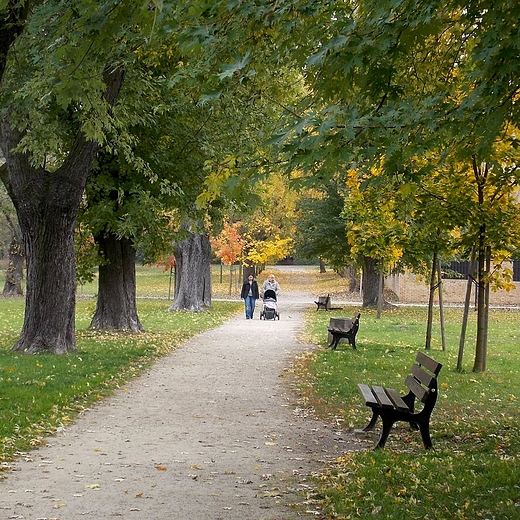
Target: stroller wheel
278,316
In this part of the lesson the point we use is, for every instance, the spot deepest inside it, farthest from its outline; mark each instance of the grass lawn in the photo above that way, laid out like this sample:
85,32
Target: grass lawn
473,470
39,394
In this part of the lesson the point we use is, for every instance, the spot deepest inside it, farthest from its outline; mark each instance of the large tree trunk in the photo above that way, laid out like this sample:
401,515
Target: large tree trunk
116,304
47,224
47,203
192,274
370,282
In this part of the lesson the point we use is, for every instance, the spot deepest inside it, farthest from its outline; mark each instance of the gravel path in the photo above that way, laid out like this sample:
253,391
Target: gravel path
211,432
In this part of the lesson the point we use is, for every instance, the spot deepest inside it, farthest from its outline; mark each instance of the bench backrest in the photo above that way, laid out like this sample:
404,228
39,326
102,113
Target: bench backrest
324,300
355,324
423,381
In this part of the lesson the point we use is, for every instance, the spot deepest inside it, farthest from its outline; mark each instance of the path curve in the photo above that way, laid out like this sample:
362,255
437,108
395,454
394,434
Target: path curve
210,432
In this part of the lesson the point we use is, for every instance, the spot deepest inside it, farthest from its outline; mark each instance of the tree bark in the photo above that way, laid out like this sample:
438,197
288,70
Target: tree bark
465,316
483,252
370,282
481,345
350,273
47,203
116,303
14,272
192,274
441,306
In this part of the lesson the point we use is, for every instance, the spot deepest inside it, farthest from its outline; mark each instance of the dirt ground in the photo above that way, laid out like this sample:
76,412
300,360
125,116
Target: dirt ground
211,432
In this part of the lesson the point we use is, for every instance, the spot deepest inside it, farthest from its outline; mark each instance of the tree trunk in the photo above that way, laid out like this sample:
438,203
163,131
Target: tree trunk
481,342
247,271
48,232
465,315
429,321
116,304
483,252
322,266
47,203
192,274
14,273
441,306
350,273
370,282
380,287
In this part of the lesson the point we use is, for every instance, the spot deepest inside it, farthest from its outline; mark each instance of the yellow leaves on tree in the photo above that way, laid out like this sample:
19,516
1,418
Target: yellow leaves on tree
372,227
268,251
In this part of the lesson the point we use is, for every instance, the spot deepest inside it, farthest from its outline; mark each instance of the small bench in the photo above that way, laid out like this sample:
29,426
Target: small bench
323,302
391,407
343,328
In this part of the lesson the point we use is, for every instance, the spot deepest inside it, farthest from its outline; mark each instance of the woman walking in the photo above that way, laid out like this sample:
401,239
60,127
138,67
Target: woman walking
250,294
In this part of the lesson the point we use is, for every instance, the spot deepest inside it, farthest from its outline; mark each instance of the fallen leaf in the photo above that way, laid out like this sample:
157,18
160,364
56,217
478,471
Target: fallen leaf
161,468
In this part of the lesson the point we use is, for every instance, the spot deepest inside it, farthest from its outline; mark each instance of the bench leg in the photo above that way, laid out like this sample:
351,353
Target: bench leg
425,434
371,425
334,342
385,432
352,341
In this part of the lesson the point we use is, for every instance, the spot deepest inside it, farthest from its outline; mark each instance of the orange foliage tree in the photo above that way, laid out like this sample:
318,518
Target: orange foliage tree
229,244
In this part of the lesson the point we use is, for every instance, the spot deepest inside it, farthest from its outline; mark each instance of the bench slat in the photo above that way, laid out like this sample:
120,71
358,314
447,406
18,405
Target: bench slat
420,392
425,378
383,399
368,396
397,400
433,366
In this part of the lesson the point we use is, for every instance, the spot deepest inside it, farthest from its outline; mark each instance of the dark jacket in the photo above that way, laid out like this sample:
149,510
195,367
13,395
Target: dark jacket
254,288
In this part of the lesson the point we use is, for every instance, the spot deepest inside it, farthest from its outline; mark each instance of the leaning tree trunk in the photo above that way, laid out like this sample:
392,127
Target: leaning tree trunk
431,298
192,274
47,203
14,273
465,314
116,303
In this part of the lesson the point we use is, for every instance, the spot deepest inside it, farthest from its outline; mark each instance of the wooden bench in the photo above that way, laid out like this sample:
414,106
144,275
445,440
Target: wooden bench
323,302
391,407
343,328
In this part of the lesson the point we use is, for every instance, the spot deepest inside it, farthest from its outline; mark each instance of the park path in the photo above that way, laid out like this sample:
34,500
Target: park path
211,432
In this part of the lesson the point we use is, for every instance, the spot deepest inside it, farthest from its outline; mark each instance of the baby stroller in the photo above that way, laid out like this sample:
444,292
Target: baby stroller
269,312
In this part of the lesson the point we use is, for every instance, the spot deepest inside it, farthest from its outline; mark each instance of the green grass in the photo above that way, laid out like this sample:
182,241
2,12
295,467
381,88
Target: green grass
473,470
39,394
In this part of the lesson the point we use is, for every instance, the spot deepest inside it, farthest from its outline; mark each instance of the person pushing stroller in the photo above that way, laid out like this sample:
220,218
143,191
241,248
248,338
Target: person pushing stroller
272,284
